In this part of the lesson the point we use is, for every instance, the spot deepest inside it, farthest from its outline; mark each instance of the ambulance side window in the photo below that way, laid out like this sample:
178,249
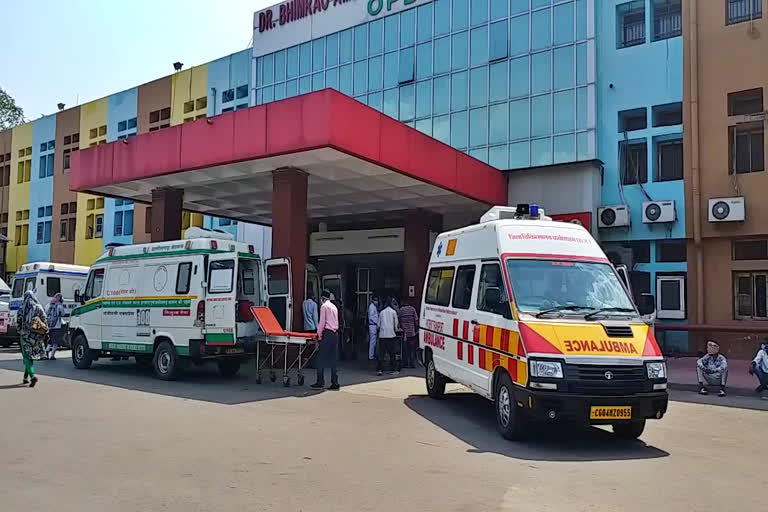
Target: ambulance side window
183,278
462,292
52,286
439,283
492,294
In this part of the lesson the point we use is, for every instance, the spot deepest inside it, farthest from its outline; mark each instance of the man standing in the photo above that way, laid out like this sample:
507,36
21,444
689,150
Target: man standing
712,369
328,338
388,338
309,309
759,368
409,319
373,327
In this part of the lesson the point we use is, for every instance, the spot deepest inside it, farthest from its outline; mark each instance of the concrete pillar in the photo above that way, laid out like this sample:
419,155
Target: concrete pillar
418,224
289,230
166,214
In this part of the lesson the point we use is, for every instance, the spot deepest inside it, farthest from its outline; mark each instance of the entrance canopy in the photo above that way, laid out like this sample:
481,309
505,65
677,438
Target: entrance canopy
360,164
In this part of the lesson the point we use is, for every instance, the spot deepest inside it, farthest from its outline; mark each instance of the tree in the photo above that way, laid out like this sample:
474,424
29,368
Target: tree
10,114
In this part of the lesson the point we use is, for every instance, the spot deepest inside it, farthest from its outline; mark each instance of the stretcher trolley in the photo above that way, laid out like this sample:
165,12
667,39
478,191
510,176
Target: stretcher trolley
275,342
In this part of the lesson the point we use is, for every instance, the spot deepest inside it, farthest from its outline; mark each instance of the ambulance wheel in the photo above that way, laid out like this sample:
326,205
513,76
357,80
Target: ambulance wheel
228,367
630,430
509,420
300,380
82,356
286,381
435,380
166,363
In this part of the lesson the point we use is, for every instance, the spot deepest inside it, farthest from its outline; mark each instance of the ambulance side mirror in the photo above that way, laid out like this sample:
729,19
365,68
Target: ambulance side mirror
647,304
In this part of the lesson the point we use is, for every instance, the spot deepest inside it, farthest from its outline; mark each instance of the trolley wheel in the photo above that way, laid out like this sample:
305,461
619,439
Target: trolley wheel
272,377
286,381
300,380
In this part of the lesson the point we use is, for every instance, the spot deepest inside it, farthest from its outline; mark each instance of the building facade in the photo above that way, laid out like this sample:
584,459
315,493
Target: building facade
642,216
724,118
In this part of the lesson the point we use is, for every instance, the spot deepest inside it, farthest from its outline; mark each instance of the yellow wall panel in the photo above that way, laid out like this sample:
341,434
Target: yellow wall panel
190,85
18,197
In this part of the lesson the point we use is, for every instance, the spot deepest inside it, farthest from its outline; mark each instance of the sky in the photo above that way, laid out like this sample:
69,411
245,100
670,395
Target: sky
75,51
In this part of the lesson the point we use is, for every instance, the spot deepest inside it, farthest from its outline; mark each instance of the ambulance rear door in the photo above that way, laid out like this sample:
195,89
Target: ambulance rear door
278,284
220,300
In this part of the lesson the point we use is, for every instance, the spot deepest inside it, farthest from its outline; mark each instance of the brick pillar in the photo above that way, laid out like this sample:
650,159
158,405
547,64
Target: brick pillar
289,230
166,214
418,224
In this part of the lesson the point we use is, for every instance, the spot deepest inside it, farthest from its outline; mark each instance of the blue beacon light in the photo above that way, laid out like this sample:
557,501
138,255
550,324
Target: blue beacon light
534,211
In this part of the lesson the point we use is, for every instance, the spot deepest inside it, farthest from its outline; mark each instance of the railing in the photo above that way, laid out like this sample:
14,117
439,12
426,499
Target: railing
633,33
744,10
667,25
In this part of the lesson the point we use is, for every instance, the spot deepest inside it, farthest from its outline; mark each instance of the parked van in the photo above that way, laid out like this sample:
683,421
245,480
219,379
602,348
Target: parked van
530,313
47,279
168,303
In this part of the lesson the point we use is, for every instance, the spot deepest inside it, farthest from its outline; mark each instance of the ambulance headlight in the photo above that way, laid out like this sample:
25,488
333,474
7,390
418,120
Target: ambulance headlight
656,370
547,369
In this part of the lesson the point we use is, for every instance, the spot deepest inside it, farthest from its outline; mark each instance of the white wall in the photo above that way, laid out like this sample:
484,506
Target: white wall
258,236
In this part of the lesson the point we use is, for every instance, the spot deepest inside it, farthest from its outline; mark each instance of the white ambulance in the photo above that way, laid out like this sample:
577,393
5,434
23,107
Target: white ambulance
47,279
169,303
530,313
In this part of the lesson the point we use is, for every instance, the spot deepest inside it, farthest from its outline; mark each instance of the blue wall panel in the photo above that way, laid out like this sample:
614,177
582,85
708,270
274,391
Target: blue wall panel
41,189
121,123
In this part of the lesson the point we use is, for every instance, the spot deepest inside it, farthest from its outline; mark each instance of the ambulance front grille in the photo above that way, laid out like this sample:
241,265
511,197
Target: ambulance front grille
594,379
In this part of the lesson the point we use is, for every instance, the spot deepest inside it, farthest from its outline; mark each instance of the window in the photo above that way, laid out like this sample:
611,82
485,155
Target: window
745,102
89,227
492,292
118,230
99,226
750,297
63,231
18,288
52,286
72,229
148,220
667,19
670,297
667,115
671,251
633,159
630,24
189,106
94,284
183,278
220,276
670,160
439,284
122,126
746,148
242,91
635,119
750,250
40,230
465,280
201,103
738,11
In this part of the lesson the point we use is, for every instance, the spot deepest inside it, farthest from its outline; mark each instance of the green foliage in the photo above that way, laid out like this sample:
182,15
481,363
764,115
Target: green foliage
10,114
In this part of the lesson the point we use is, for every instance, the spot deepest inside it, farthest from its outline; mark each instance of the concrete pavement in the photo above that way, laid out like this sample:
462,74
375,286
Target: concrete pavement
114,438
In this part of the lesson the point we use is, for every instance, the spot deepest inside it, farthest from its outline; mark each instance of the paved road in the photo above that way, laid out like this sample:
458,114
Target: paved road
113,438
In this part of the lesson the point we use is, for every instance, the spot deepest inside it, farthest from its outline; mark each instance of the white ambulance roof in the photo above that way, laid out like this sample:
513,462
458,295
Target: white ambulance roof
517,237
47,266
178,248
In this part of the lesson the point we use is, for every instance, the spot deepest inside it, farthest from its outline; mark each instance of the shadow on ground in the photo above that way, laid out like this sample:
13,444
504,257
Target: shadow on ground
197,383
470,418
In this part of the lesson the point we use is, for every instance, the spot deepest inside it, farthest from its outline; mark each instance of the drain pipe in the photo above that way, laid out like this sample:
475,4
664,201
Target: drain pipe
693,36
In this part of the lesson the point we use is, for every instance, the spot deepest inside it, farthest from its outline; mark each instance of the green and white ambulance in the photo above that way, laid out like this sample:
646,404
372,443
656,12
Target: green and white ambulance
170,303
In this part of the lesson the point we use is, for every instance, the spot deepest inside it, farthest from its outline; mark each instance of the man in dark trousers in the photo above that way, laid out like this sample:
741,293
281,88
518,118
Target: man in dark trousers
328,337
409,323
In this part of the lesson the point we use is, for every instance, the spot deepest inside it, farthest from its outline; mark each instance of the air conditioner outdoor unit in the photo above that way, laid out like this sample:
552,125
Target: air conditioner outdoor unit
658,211
613,216
726,209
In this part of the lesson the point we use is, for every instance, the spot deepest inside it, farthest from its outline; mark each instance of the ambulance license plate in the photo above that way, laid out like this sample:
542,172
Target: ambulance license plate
610,413
231,351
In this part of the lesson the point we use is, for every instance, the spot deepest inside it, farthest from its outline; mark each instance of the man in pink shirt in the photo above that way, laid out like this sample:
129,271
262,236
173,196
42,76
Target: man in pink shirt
328,336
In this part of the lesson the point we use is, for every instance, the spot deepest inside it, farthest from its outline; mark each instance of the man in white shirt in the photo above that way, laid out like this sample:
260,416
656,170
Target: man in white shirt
759,368
388,327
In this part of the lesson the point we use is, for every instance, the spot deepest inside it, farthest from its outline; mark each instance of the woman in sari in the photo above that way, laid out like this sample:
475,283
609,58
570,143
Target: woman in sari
33,328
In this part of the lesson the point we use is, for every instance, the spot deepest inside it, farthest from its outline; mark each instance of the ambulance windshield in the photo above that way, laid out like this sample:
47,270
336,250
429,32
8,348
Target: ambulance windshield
567,287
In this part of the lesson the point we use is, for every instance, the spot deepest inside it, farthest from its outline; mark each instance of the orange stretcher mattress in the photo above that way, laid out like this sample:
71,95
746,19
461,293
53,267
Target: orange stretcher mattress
272,327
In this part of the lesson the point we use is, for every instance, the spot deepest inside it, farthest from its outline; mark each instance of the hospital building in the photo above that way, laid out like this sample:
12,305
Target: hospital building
353,131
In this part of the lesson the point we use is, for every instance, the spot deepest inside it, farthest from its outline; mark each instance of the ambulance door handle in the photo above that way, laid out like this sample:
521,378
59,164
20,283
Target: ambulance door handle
473,322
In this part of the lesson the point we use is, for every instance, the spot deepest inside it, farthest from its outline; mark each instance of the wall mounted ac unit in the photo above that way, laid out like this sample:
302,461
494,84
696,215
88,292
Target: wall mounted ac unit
658,211
613,216
726,209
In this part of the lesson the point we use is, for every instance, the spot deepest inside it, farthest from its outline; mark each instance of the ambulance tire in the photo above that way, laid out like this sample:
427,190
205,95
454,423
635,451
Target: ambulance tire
228,367
630,430
166,363
510,421
435,380
82,356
